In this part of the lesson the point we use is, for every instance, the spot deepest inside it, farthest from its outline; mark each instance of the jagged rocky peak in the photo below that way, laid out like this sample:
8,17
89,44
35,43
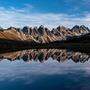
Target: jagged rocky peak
61,28
48,32
25,30
53,31
11,28
41,30
30,30
19,29
34,31
63,31
76,27
84,28
80,30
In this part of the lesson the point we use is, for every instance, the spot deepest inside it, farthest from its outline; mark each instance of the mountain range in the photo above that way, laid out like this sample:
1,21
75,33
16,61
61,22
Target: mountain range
43,34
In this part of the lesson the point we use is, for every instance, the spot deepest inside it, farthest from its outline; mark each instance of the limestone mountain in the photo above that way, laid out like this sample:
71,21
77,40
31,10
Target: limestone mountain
42,34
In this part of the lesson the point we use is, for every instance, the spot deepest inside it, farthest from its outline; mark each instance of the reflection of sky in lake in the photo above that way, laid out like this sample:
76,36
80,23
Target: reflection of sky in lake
48,75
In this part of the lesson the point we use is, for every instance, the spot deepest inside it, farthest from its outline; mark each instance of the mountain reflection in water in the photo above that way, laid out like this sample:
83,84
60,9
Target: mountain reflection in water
43,70
42,55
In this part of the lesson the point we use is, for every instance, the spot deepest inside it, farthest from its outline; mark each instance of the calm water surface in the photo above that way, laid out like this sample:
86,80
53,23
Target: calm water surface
44,70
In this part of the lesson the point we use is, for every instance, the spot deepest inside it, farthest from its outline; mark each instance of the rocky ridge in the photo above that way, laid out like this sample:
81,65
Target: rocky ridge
42,34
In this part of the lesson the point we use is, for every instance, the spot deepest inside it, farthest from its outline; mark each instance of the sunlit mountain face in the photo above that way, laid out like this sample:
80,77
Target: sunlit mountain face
42,55
42,34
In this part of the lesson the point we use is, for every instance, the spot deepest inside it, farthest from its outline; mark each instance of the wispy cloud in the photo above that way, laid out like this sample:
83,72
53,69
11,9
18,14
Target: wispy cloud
28,5
20,18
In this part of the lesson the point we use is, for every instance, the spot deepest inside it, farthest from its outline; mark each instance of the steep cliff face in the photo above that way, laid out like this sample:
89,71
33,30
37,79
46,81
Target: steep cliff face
42,34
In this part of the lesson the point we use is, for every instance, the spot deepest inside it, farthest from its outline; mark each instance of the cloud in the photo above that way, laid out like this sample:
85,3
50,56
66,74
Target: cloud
21,17
28,6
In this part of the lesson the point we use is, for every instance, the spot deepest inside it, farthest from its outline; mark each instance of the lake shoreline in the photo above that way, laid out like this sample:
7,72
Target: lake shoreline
11,45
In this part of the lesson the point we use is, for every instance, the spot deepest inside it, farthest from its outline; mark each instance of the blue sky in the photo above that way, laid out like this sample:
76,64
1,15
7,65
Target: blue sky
50,13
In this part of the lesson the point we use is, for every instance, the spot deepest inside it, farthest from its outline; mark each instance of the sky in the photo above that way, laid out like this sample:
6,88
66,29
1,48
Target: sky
50,13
